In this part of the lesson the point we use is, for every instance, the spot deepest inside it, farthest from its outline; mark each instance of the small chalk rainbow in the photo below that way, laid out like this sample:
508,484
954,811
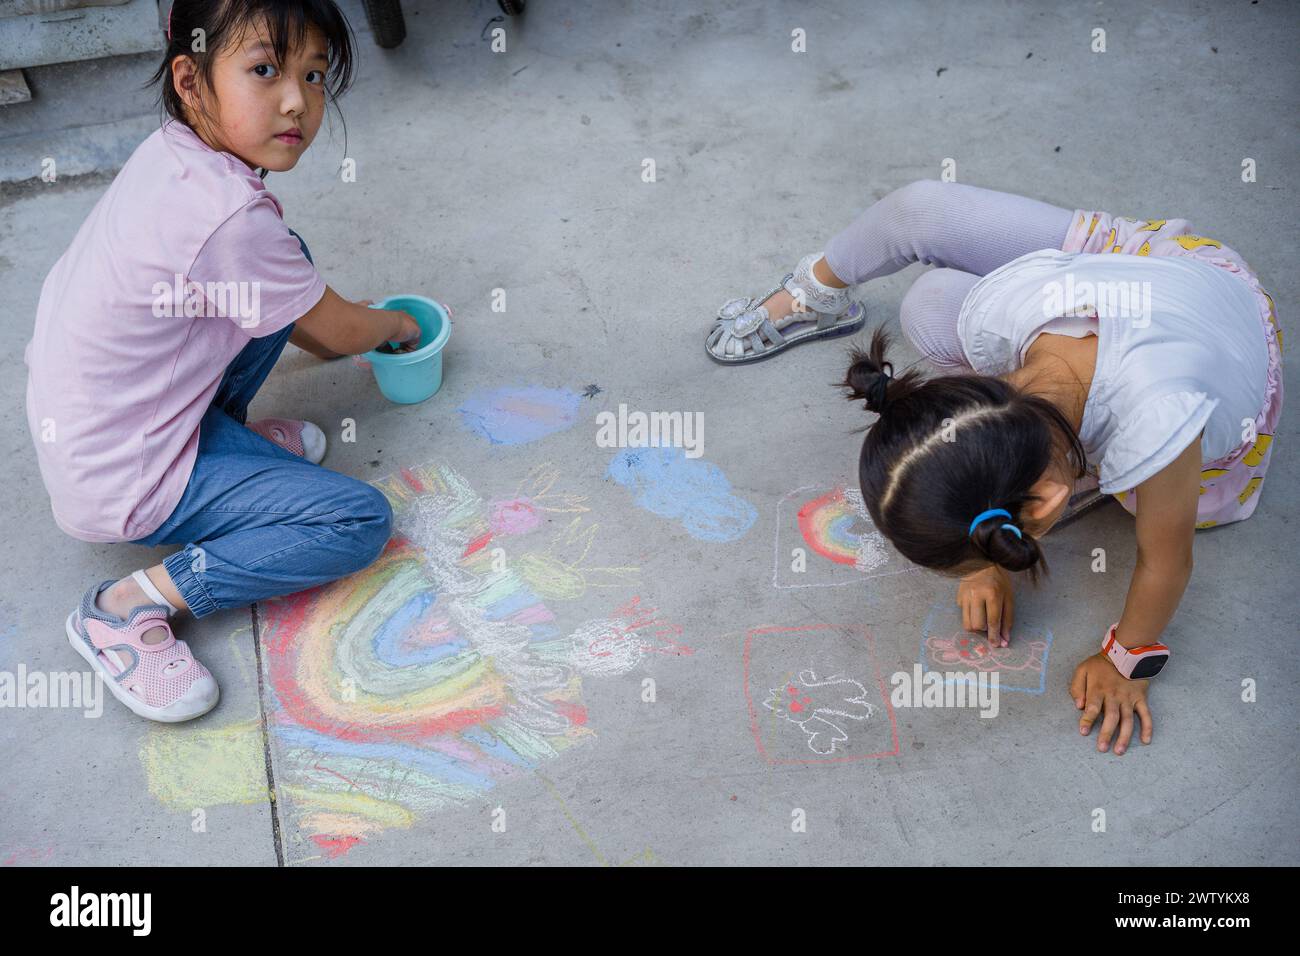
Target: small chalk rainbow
826,523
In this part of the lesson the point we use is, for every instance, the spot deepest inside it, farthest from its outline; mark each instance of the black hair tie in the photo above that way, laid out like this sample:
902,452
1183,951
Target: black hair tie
877,398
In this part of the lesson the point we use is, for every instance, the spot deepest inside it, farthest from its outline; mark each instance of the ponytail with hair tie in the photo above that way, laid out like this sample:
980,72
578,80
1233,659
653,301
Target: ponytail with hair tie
925,495
870,379
878,391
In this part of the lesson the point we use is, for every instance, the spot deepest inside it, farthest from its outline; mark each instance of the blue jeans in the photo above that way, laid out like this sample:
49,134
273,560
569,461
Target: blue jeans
258,521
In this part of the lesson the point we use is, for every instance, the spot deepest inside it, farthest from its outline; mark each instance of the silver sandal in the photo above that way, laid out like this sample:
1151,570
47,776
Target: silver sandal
744,332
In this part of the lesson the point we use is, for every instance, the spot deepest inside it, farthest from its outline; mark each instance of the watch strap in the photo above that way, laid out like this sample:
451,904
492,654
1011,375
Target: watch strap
1127,660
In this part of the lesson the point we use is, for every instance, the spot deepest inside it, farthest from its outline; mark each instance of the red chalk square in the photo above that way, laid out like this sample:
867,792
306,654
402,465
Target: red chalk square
815,695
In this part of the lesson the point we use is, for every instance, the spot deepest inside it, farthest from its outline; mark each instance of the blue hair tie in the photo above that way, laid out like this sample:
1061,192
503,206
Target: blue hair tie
989,514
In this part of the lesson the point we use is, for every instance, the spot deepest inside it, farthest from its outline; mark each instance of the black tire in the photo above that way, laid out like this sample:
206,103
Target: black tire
511,8
386,22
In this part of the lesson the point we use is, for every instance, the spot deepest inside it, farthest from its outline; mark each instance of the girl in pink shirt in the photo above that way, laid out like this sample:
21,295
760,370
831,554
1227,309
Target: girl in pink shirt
157,326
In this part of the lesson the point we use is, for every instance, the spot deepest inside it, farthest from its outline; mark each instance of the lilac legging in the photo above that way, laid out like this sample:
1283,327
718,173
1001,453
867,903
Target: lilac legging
966,230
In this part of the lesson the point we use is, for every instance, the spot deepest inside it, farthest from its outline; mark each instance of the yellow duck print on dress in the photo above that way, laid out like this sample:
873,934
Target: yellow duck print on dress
1196,242
1272,317
1209,474
1249,489
1151,225
1256,454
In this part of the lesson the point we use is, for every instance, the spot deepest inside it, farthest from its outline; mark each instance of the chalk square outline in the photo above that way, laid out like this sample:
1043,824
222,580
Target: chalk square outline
875,673
776,549
925,668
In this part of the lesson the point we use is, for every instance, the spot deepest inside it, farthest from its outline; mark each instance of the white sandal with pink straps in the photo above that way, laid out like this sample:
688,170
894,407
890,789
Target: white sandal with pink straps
160,681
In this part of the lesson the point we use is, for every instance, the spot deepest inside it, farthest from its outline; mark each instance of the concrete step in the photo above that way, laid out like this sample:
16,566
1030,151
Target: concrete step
13,88
98,147
83,32
87,116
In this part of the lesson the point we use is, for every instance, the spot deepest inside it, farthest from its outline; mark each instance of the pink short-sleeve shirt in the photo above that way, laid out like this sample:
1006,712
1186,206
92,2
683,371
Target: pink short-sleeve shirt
181,262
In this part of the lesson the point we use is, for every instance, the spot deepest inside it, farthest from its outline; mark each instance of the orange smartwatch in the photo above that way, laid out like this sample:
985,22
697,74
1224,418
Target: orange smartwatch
1134,663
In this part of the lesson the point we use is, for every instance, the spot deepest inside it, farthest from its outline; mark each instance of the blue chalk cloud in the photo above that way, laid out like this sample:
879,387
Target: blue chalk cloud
517,415
690,490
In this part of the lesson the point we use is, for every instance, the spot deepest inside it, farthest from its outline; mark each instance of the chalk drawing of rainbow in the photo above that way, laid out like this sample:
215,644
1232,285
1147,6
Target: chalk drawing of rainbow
826,524
834,524
437,673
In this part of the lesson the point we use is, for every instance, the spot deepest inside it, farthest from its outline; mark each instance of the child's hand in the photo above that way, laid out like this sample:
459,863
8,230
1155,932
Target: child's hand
410,334
1097,688
987,603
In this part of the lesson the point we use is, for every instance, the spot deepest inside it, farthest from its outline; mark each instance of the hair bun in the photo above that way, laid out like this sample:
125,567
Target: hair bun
878,393
869,383
870,378
1008,550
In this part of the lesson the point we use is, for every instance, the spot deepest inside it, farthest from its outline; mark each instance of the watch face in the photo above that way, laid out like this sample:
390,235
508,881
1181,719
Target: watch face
1149,666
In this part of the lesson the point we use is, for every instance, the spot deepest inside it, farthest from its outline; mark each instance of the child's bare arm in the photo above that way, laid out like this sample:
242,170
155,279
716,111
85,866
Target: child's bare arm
300,338
350,328
1166,523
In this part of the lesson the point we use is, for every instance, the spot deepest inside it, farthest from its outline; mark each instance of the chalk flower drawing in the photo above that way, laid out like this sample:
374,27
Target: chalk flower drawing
561,571
616,645
419,683
821,707
532,500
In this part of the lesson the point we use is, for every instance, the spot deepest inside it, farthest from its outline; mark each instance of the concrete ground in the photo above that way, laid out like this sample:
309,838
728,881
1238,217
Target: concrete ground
568,653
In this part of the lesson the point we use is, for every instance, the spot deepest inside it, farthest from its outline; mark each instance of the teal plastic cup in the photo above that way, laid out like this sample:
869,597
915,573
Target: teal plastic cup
410,377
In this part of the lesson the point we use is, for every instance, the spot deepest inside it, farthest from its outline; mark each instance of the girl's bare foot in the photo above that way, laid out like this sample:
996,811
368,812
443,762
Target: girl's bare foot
121,597
783,303
822,273
780,305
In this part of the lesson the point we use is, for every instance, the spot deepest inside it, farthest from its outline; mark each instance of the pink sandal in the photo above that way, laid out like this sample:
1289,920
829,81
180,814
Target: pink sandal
159,681
301,438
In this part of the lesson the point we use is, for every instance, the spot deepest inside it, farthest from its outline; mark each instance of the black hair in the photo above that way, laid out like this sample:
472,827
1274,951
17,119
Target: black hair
946,449
223,21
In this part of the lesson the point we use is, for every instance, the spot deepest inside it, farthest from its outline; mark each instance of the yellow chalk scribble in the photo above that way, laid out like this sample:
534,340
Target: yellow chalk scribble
187,767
